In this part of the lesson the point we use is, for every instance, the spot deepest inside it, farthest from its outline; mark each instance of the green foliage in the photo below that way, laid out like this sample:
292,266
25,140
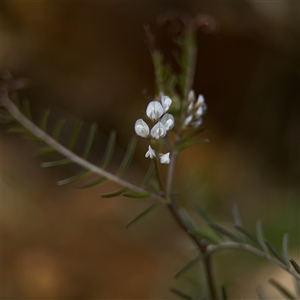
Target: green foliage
188,266
143,214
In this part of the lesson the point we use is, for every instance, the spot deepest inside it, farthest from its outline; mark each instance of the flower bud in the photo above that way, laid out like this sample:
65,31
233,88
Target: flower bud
150,153
141,128
168,121
166,102
164,158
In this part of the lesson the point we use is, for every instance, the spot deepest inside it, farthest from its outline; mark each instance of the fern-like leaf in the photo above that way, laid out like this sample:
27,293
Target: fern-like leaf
128,156
44,120
109,149
74,178
260,236
143,214
56,163
74,135
26,109
115,194
223,231
57,129
188,266
93,183
90,140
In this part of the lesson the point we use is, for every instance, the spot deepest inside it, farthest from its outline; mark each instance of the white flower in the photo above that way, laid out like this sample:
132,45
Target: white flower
168,121
191,96
141,128
154,110
150,153
164,158
200,101
158,131
199,112
197,123
166,102
188,120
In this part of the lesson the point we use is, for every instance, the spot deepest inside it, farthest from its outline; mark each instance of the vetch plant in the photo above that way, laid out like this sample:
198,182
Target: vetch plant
173,123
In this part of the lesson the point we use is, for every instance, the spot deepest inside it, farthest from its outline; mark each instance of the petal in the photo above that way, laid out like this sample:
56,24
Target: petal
188,120
150,153
164,158
199,112
166,102
158,131
154,110
141,128
191,96
168,121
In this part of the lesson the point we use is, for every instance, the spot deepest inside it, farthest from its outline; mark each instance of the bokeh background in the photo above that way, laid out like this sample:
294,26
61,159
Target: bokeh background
89,61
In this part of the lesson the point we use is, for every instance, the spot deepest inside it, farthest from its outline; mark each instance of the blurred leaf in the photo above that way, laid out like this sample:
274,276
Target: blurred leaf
236,216
193,134
90,140
115,194
56,163
75,135
224,294
26,109
181,294
223,231
93,183
128,156
137,195
202,236
57,129
143,214
285,249
188,266
149,174
74,178
44,120
205,217
295,266
297,286
260,236
17,129
282,289
248,234
109,149
275,252
44,150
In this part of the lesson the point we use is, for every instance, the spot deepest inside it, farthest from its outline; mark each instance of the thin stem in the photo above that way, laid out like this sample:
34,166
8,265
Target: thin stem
14,111
234,245
209,276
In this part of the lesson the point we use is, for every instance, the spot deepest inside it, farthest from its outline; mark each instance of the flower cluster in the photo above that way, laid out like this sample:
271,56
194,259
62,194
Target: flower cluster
157,112
195,110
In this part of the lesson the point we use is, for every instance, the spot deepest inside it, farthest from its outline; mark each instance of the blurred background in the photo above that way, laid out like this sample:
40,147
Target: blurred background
88,61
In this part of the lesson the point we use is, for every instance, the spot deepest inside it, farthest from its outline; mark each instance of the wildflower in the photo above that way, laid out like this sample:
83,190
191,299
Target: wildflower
164,158
154,110
168,121
150,153
141,128
166,103
158,131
